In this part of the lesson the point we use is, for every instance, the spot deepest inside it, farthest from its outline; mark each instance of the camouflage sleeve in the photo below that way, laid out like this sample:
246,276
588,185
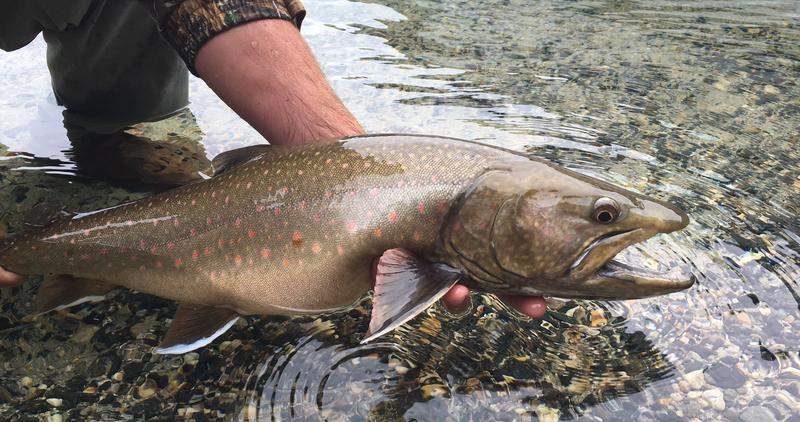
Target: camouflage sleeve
188,24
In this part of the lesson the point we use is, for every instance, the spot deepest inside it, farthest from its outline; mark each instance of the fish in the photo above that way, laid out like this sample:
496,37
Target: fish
293,230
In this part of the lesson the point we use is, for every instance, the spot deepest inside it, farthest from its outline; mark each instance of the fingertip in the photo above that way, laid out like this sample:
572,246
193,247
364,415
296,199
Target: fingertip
456,299
532,306
9,279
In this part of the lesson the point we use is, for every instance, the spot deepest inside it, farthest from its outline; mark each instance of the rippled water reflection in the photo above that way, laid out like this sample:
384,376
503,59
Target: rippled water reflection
696,103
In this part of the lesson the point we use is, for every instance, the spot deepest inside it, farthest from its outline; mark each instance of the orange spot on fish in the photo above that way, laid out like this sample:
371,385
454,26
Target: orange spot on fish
251,233
297,239
421,208
285,263
266,253
352,227
221,243
195,255
193,232
178,262
142,245
284,190
417,236
206,251
237,260
276,211
302,205
237,222
315,247
317,217
377,232
392,216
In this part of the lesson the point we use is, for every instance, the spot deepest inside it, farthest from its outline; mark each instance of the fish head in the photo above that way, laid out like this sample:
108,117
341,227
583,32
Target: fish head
535,228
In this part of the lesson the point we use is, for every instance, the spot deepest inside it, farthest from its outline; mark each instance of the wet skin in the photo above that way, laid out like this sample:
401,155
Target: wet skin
293,230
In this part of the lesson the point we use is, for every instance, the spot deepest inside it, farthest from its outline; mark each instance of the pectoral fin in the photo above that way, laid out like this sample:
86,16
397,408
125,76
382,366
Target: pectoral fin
405,285
62,291
195,326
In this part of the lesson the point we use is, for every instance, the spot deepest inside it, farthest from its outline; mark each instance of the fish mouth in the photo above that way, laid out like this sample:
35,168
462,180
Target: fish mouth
596,274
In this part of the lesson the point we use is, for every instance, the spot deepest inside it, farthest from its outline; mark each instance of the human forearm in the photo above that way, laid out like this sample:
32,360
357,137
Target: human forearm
265,71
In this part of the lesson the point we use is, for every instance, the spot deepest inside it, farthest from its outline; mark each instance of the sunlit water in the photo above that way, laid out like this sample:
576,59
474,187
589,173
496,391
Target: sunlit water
697,103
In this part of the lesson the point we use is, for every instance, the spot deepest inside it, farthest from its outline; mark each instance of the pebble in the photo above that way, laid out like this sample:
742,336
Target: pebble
55,418
547,414
715,398
726,374
433,390
118,376
744,319
757,414
54,402
695,379
147,389
400,369
598,319
26,381
788,400
191,358
771,90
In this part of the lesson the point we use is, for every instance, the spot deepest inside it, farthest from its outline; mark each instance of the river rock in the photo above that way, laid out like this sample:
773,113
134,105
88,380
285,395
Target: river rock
757,414
715,398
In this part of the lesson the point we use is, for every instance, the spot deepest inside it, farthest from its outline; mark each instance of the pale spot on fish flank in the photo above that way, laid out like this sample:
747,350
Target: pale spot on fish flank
392,216
237,260
178,262
316,247
195,255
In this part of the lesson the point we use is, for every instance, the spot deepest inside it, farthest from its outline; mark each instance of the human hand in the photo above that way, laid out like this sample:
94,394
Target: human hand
9,279
457,300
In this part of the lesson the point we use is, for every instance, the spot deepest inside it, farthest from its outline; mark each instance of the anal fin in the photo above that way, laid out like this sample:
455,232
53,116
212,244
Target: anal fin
62,291
405,285
195,326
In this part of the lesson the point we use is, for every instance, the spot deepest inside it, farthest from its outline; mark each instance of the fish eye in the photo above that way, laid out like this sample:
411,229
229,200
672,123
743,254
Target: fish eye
606,210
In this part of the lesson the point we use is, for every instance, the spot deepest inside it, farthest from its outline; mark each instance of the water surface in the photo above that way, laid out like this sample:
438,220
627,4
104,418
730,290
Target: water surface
696,103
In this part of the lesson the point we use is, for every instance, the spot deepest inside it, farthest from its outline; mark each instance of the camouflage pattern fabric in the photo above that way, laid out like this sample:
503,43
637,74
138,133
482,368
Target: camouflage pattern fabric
188,24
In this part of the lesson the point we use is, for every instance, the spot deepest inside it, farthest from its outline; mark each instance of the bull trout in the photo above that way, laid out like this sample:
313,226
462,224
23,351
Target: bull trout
295,230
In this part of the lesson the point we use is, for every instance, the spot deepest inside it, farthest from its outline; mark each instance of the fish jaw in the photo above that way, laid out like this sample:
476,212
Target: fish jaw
595,273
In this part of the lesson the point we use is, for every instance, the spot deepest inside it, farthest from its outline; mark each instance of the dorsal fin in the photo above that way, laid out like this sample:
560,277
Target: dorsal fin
230,159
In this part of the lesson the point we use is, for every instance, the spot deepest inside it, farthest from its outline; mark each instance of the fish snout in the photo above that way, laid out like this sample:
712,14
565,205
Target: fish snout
663,216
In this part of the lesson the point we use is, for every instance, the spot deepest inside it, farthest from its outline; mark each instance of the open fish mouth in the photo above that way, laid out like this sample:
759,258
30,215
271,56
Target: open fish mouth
597,274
